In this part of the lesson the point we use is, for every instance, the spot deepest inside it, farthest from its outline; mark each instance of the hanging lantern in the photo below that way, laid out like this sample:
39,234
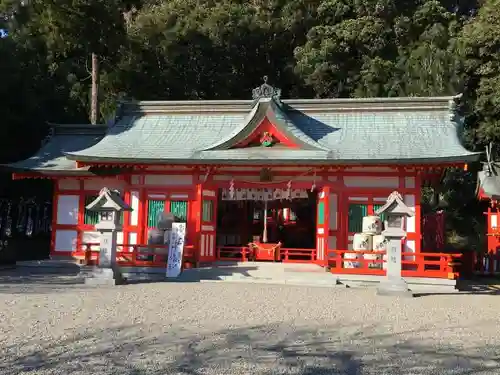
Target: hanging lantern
289,189
314,183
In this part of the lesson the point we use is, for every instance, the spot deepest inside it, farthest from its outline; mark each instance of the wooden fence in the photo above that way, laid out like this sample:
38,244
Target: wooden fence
139,255
435,265
286,255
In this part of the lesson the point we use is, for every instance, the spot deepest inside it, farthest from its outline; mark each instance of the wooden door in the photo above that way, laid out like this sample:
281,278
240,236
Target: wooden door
322,226
207,246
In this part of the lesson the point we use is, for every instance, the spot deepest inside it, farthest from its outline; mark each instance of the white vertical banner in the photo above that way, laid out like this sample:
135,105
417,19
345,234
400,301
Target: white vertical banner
176,249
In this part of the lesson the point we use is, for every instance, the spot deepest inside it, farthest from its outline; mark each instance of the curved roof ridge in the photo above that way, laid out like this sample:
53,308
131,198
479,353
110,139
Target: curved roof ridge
266,107
248,120
293,129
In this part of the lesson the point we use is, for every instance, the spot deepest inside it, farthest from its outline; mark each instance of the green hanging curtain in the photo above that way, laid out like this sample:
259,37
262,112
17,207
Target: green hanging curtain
155,207
356,214
179,210
375,208
90,217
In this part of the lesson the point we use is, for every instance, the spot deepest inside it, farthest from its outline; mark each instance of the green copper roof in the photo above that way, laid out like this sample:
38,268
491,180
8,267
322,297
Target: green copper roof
64,138
331,131
327,132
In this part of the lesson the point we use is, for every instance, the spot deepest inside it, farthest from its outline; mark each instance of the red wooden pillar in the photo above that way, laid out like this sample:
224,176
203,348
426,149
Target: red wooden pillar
207,200
322,226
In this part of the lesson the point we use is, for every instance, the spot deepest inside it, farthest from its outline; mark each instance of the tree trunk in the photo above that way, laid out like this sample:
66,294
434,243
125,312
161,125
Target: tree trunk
94,104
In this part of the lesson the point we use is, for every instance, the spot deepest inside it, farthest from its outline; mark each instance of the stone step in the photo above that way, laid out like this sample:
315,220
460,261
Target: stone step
222,273
277,281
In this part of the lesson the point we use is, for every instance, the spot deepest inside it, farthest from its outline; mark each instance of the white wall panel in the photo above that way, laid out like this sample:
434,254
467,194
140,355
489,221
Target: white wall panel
65,240
96,184
333,211
168,180
134,204
410,221
68,184
67,209
367,181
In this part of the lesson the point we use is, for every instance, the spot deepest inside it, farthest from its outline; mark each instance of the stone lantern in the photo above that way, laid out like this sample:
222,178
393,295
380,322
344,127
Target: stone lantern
395,211
109,205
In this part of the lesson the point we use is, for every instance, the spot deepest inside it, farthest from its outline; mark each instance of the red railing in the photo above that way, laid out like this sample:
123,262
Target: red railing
436,265
356,262
139,255
244,253
292,255
235,253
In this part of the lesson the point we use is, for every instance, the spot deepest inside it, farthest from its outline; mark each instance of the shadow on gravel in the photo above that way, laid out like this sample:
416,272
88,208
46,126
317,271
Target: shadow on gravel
468,287
461,293
259,350
38,280
70,275
213,273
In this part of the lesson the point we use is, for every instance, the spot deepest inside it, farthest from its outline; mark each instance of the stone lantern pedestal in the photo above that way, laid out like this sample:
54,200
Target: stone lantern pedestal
395,211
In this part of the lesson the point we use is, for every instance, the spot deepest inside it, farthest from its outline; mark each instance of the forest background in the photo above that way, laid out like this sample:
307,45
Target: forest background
221,49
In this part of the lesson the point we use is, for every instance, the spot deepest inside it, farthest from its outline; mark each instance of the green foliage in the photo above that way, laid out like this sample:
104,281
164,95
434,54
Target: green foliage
381,48
479,46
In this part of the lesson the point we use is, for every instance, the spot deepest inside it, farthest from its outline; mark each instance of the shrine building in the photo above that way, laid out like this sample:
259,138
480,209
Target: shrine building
302,173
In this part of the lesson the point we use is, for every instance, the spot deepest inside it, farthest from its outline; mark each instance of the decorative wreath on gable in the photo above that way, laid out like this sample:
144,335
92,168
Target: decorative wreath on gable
267,139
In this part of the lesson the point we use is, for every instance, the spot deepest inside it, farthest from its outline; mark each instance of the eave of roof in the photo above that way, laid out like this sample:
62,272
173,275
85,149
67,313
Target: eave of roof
50,158
472,157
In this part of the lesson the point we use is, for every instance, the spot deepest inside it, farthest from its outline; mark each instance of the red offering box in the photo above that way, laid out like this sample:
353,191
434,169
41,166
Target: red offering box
266,251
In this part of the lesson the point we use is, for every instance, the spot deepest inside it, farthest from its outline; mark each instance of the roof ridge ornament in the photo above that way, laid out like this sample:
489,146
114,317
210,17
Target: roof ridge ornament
453,107
488,166
266,91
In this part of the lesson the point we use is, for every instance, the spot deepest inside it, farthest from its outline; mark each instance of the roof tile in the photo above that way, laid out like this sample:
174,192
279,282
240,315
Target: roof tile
382,134
330,131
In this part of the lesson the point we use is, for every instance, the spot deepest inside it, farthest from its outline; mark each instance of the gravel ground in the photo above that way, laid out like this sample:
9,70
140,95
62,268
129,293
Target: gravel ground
49,326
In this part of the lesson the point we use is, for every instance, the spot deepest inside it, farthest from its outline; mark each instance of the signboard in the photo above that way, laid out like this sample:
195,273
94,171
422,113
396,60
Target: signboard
176,249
